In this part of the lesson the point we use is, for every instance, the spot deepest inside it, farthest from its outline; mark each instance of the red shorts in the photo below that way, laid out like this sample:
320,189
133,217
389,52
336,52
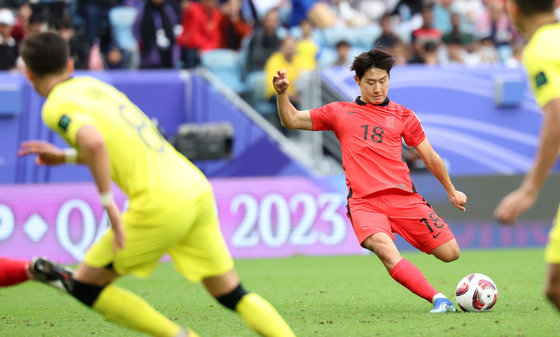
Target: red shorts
401,212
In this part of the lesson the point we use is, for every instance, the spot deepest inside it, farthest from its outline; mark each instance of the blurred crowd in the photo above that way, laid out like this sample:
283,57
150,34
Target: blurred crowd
244,41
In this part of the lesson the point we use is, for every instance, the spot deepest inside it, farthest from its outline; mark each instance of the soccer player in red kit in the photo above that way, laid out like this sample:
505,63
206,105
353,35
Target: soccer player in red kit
382,199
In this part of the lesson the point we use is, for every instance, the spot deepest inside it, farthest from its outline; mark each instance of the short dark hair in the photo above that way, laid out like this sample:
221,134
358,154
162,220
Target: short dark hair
342,43
44,53
375,58
530,7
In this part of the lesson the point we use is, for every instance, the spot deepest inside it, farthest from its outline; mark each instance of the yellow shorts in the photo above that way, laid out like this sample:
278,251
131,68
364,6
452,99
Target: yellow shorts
552,251
191,236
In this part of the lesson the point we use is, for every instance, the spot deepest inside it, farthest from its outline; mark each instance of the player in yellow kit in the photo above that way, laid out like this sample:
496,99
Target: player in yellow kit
172,207
535,19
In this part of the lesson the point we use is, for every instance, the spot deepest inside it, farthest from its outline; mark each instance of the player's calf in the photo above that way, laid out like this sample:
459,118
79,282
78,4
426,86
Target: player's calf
552,289
256,312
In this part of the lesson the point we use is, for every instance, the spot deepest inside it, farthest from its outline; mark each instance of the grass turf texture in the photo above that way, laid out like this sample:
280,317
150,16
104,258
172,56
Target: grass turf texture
318,296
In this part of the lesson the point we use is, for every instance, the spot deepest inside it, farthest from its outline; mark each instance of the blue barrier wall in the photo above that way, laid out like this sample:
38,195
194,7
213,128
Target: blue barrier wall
161,95
460,116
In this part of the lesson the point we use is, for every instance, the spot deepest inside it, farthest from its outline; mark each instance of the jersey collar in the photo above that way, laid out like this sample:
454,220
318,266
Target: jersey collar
360,102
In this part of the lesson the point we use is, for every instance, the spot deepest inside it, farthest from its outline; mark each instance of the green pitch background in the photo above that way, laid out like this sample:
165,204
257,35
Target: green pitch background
318,296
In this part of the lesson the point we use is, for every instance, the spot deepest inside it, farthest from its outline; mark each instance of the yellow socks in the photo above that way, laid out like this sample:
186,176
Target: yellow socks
262,317
125,308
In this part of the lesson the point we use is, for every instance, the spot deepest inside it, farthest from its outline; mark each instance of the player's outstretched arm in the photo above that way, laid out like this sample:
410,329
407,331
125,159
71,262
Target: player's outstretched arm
96,156
290,117
48,154
520,200
437,167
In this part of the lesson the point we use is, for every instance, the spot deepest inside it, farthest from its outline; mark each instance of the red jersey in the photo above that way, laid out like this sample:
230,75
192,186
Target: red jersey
371,141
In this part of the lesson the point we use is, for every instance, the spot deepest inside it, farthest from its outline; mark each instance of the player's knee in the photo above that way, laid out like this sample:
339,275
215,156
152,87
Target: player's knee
85,293
451,254
231,299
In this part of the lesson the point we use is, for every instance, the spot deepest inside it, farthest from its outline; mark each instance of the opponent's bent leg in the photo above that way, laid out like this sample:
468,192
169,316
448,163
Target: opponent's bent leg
257,313
552,289
13,271
447,252
400,269
92,286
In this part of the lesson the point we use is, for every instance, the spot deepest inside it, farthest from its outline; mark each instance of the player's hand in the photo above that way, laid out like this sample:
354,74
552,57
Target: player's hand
513,205
47,153
119,236
458,199
280,81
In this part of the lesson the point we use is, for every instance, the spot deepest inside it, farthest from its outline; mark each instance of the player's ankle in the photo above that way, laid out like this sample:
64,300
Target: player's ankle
438,295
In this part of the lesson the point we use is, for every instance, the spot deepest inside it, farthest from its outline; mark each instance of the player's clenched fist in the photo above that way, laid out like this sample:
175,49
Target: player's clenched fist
458,199
280,81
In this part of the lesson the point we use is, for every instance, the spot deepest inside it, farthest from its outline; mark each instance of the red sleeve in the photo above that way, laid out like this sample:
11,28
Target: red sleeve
413,133
323,117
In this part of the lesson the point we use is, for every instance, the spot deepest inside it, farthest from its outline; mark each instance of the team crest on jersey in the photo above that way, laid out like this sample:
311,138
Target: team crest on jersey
540,79
390,122
64,122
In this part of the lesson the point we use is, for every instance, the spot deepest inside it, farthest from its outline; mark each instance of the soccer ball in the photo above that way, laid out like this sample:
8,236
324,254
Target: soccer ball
476,292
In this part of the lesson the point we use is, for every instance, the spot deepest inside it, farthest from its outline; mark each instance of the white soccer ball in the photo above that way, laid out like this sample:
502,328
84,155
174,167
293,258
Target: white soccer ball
476,292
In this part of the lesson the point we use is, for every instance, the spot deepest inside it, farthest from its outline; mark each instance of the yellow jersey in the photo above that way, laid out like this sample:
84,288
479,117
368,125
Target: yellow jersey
278,61
156,177
541,58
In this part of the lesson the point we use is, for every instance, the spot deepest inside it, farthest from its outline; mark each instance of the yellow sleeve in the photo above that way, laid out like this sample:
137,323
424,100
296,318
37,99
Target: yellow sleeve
544,76
65,118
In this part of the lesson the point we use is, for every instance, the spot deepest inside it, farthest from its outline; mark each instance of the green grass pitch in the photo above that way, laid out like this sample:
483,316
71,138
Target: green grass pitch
318,296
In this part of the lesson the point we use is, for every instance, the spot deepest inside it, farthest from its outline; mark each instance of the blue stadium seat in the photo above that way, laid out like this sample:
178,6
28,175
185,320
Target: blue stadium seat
367,36
333,35
122,19
226,65
256,82
327,57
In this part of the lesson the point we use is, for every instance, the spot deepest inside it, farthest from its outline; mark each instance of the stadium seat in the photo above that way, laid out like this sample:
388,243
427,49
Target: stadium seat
226,65
366,36
327,57
256,82
333,35
122,20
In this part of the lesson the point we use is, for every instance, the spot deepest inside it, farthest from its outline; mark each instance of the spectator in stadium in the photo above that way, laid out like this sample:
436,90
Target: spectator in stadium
37,23
470,11
427,32
114,58
493,22
515,60
77,41
457,32
233,26
348,15
8,46
400,53
342,52
407,8
307,49
286,58
201,30
486,52
427,54
442,15
95,14
21,27
264,42
388,38
455,52
154,31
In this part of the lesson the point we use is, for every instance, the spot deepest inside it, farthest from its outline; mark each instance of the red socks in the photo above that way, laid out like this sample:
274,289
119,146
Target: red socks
412,278
12,271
